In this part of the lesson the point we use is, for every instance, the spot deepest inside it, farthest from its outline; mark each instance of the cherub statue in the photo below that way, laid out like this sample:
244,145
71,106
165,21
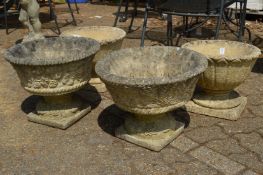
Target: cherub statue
29,16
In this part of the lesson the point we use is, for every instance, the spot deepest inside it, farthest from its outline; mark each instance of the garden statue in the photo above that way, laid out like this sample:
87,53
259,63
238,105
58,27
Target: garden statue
29,16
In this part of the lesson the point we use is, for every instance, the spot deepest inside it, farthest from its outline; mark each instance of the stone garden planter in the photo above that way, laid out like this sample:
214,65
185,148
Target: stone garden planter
110,38
229,64
149,82
54,68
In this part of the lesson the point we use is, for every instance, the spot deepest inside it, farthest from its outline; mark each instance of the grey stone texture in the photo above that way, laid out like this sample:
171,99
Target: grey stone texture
249,172
184,144
205,134
149,82
29,17
55,68
218,161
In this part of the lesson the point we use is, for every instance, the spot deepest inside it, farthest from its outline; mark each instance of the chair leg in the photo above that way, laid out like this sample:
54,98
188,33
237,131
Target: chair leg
76,6
242,20
186,25
218,25
136,6
71,12
50,10
169,30
168,33
124,18
133,14
53,15
5,14
144,26
117,14
219,19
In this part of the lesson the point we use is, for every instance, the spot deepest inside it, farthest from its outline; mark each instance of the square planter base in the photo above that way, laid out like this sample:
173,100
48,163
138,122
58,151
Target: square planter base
229,114
61,122
151,142
61,119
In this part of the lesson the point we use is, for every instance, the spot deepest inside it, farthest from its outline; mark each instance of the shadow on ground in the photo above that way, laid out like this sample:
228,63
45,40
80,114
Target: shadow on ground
112,117
89,94
29,104
258,67
182,116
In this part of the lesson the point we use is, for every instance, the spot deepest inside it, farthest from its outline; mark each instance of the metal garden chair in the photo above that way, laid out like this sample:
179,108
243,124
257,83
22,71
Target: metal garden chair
5,5
123,18
54,16
193,8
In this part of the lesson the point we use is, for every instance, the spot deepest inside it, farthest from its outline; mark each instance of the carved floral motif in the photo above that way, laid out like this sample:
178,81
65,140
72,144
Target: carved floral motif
52,78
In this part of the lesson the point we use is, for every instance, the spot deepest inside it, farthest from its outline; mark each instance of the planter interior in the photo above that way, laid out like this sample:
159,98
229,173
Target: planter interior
149,83
110,38
54,68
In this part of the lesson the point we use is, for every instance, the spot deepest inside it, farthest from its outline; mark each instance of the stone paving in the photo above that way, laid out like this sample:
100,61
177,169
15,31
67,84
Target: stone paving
208,146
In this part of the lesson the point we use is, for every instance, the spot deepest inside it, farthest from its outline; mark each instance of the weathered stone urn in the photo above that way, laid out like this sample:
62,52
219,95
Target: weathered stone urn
149,83
55,68
229,64
110,38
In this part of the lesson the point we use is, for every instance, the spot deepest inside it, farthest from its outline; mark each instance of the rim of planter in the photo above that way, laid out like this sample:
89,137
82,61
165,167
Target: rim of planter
254,51
82,47
121,33
102,69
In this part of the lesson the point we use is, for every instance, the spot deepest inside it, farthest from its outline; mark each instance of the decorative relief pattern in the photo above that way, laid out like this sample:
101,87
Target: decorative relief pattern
50,79
152,99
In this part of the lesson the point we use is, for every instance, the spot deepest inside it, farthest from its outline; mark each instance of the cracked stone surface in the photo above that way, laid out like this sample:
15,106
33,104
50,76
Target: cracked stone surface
217,161
244,125
253,142
208,146
249,172
226,146
250,160
204,134
184,144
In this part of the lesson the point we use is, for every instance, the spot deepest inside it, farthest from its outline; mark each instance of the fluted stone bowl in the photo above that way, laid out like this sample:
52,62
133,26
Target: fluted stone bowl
225,71
149,82
54,68
229,64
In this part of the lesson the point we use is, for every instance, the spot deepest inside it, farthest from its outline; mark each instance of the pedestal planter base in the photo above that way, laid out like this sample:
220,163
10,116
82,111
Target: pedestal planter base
59,115
98,84
218,101
151,134
229,114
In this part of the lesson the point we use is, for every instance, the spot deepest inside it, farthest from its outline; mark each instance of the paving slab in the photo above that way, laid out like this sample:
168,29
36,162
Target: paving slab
216,160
